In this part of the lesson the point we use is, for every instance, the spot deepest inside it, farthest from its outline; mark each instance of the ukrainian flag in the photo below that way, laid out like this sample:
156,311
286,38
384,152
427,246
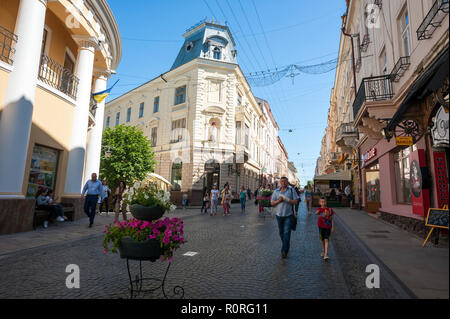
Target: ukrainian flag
101,96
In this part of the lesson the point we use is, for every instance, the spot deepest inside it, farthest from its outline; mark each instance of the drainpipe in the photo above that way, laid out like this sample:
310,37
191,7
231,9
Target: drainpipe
353,59
356,93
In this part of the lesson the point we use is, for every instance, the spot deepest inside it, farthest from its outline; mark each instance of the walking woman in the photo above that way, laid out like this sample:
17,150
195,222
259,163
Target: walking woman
308,199
214,200
118,202
243,198
226,200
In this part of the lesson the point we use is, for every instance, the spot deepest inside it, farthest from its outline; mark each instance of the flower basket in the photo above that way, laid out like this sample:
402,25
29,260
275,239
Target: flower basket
148,213
266,193
146,250
264,201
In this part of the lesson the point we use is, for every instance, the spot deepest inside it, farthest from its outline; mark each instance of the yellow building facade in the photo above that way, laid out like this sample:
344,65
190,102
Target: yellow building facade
51,61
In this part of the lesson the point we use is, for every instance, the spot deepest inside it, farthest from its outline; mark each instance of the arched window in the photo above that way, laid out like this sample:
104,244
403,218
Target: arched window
217,53
176,179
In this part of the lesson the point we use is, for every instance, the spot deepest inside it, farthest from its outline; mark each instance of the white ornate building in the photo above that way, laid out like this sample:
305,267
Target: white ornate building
205,124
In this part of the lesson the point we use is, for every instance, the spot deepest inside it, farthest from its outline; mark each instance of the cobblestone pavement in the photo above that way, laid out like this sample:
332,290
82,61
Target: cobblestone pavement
237,257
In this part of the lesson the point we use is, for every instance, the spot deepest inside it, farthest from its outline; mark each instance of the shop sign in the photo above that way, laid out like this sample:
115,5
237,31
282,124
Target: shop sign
440,170
369,155
440,130
404,140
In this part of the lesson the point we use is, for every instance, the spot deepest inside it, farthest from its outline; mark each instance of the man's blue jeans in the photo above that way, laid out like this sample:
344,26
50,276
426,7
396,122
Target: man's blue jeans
285,227
90,206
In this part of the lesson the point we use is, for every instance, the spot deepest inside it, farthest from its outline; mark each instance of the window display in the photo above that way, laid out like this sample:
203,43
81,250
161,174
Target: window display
373,193
44,163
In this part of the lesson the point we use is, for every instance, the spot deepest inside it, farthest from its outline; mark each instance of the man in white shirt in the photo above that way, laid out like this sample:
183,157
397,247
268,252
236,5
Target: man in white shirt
284,200
94,189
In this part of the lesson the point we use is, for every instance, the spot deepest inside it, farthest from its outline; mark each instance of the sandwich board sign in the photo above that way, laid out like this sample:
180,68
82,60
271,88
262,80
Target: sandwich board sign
437,218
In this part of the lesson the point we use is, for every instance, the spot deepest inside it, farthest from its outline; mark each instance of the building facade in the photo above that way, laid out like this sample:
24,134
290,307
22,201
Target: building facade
54,55
205,124
398,94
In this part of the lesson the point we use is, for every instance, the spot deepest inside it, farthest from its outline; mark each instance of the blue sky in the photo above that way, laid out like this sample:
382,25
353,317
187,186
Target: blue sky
299,32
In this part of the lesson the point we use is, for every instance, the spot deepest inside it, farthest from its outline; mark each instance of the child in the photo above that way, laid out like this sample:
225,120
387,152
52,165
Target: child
205,203
326,225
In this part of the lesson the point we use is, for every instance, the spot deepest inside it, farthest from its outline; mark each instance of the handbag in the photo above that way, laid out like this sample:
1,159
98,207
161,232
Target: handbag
294,218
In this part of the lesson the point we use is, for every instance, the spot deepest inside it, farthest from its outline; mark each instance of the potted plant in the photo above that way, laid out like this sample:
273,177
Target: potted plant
264,198
146,201
144,240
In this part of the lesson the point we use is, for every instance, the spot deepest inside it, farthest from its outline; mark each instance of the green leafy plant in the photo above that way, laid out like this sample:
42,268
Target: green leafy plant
146,193
132,156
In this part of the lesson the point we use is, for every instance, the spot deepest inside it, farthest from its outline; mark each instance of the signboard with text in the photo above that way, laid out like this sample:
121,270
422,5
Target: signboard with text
404,140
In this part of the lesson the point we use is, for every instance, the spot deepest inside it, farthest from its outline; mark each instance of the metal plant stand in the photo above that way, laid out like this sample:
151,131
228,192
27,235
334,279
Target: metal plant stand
178,291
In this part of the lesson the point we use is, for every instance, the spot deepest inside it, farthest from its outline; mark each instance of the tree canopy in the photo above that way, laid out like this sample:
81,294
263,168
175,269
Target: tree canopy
132,156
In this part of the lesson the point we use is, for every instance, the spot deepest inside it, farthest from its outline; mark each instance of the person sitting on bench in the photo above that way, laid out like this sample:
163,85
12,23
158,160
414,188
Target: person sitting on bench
53,200
42,203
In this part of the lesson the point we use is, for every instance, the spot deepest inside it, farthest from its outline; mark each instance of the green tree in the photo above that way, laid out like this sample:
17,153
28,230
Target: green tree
132,156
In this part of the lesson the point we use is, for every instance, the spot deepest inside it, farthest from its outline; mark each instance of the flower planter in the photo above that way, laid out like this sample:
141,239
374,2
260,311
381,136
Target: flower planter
264,201
147,250
147,213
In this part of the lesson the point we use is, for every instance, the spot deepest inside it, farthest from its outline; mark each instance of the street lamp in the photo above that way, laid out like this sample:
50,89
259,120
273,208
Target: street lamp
108,152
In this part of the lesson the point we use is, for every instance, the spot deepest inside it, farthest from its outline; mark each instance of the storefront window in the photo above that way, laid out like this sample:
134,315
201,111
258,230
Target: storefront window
44,163
402,176
373,193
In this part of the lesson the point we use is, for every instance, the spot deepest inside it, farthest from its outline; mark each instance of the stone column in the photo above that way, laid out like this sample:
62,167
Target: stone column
84,71
17,111
94,146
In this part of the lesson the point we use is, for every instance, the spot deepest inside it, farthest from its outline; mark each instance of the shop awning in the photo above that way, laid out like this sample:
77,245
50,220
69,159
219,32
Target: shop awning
428,82
339,176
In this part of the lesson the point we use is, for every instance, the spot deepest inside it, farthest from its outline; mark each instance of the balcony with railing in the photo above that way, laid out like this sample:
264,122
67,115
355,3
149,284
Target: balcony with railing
373,89
400,68
433,19
7,43
58,77
344,133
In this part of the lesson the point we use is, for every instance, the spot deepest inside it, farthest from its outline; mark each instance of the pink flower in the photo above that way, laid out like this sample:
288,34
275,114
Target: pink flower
104,251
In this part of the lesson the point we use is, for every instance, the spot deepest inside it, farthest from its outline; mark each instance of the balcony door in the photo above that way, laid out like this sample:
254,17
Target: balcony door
67,76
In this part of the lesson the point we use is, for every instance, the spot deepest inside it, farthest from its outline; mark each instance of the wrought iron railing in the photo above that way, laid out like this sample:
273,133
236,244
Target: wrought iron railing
346,129
8,41
58,77
376,88
400,68
433,19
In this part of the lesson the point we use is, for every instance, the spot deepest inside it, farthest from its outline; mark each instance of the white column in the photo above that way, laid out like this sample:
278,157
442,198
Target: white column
84,71
17,112
94,146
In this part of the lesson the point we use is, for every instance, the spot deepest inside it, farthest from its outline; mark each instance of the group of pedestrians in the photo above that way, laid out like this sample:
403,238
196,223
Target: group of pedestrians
211,200
284,202
97,193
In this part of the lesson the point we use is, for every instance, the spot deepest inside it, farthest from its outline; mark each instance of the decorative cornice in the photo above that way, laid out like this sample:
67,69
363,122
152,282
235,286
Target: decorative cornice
98,73
87,42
